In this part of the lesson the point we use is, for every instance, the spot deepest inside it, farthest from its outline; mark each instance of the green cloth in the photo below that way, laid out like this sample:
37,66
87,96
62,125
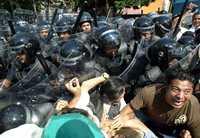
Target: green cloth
73,125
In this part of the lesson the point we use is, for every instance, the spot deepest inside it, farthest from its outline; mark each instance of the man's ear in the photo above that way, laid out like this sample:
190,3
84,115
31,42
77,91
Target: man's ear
124,91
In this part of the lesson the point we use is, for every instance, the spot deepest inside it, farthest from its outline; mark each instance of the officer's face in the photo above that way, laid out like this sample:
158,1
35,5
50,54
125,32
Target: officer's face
64,35
22,57
44,33
86,27
146,35
179,92
110,52
196,21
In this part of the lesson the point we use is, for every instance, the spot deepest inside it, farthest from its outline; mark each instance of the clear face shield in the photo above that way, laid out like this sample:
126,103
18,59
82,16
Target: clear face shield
190,61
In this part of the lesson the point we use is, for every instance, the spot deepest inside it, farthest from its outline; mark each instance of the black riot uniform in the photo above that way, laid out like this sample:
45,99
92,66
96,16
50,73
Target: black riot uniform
112,51
48,41
144,27
27,68
159,55
76,59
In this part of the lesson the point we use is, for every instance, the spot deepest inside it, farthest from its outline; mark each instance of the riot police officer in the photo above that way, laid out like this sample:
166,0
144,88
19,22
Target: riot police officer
145,28
63,31
86,22
77,58
25,48
112,51
161,55
43,30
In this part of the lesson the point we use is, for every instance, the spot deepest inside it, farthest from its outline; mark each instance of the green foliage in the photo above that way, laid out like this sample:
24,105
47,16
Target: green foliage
41,4
119,4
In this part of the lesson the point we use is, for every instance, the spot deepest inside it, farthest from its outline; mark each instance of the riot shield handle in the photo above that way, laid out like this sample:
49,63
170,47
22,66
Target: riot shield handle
179,20
124,74
51,25
10,23
43,63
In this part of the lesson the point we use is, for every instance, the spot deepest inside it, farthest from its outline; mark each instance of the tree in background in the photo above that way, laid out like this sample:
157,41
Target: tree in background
102,6
120,4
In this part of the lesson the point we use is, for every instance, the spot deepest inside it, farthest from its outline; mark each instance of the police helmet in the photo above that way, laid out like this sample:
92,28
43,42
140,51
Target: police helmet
144,24
18,114
108,38
25,42
86,17
162,52
22,26
152,15
163,24
73,51
117,21
101,24
62,26
163,12
13,116
43,25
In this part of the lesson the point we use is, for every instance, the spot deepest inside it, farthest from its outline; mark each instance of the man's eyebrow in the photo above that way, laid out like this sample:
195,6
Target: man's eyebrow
174,86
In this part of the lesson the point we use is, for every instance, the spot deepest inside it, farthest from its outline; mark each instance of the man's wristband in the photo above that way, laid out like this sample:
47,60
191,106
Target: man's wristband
105,76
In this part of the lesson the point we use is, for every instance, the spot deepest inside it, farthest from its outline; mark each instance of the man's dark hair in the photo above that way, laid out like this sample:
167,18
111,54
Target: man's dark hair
113,88
180,75
195,14
74,110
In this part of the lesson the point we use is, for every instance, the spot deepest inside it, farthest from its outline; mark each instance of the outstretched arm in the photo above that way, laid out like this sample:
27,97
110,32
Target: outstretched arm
91,83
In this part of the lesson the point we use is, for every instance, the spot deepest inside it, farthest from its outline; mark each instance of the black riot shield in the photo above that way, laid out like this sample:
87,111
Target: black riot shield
5,59
191,62
80,63
127,28
33,77
25,15
43,90
137,65
30,106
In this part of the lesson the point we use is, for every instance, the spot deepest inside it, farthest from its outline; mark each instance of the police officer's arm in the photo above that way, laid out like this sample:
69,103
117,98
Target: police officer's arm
91,83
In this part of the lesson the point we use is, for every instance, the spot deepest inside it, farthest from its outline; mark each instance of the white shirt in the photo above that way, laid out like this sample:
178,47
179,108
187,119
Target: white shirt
106,107
23,131
83,104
